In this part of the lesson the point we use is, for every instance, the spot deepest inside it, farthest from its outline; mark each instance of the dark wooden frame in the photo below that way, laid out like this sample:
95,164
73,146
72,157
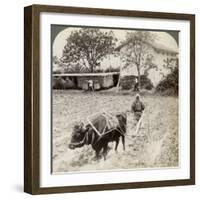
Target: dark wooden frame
32,104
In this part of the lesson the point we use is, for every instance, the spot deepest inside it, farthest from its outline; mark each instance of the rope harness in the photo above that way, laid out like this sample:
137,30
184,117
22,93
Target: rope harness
112,124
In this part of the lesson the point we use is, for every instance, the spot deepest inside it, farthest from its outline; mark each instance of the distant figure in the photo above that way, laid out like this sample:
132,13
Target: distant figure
136,87
90,85
137,107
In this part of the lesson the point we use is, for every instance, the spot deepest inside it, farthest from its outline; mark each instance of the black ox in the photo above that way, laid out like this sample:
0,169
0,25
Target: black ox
100,137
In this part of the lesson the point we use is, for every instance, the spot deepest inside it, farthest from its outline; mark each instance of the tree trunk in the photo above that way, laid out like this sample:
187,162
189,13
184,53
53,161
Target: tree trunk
120,71
139,78
91,67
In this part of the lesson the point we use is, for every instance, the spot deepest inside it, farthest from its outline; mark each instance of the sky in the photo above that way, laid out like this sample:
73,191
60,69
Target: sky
162,38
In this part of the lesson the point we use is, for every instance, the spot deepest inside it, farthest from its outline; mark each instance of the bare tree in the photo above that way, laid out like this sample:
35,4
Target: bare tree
136,53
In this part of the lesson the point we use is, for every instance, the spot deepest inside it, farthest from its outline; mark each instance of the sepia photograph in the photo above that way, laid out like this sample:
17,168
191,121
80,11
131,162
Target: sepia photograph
109,99
114,99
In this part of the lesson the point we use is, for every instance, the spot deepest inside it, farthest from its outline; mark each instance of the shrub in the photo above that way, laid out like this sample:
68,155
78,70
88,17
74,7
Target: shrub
169,85
128,82
61,84
112,69
146,83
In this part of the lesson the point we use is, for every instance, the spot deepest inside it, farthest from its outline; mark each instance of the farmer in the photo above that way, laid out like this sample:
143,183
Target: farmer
136,87
90,85
137,107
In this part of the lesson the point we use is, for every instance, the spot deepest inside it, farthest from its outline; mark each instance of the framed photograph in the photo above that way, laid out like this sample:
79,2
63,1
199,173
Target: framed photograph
109,99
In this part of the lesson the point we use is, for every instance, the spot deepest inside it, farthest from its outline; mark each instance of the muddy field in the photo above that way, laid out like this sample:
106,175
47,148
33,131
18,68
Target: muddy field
156,144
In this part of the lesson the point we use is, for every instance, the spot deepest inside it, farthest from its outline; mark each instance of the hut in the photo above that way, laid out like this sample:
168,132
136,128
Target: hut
80,80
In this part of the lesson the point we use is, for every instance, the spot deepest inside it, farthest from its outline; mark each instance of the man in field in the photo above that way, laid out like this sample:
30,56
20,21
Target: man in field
137,107
136,87
90,85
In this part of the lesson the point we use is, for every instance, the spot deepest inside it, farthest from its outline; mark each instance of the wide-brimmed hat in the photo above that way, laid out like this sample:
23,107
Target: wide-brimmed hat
137,96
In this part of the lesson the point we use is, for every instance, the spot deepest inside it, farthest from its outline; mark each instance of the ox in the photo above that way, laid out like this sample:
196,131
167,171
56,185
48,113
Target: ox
98,134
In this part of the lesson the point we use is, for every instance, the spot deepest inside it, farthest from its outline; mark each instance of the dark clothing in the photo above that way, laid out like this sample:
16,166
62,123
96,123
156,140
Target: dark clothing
137,106
136,87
